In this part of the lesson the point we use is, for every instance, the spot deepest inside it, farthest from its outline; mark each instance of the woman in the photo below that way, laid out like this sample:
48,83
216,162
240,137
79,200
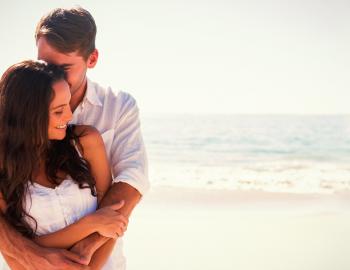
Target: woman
52,175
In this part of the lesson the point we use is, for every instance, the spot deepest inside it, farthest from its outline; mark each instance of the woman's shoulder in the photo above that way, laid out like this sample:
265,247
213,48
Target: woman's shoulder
88,136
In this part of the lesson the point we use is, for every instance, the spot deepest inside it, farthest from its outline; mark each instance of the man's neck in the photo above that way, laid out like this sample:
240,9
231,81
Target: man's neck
78,96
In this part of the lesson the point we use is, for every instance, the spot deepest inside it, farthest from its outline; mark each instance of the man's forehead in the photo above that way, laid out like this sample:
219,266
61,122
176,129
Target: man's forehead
50,54
57,58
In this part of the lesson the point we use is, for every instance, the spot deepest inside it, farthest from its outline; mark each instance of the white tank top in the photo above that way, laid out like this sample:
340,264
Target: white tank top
56,208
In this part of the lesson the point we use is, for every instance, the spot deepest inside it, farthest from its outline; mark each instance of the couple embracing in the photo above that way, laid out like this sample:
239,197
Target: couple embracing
72,159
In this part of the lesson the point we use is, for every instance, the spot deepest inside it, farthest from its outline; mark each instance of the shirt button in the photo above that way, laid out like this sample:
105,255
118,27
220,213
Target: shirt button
82,104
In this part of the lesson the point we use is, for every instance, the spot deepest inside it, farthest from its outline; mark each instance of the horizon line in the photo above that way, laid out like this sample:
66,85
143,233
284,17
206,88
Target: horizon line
244,114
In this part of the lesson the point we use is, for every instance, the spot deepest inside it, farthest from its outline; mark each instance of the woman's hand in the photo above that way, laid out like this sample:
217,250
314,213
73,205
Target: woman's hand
109,222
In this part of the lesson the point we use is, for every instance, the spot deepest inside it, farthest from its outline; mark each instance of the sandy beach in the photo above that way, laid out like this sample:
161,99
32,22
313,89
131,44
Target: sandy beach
178,228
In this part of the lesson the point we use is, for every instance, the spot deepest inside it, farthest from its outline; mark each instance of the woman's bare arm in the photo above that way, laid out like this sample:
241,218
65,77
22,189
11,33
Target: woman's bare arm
95,153
68,236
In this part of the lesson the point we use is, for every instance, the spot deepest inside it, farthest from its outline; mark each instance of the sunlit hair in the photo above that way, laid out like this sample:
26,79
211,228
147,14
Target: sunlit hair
68,30
25,96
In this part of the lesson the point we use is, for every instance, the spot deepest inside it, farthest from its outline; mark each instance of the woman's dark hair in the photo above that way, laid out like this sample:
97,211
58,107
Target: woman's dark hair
25,96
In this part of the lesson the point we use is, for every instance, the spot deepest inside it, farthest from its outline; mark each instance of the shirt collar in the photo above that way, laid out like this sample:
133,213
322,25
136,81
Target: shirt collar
91,94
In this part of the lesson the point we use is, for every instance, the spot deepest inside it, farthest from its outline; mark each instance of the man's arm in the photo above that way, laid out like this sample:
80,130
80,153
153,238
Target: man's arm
12,263
102,254
128,155
32,256
122,192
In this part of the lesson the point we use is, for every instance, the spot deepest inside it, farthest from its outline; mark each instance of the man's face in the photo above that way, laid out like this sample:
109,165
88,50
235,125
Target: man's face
74,65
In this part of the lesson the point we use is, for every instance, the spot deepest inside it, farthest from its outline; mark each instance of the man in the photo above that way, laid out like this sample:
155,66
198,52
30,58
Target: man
66,37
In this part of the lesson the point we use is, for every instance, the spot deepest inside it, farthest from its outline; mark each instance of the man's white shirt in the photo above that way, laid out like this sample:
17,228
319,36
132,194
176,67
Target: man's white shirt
116,116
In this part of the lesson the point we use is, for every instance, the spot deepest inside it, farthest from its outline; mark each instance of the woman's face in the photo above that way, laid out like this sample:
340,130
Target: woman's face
59,111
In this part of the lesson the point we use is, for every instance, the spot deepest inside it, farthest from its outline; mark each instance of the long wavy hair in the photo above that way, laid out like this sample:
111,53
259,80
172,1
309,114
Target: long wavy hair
25,96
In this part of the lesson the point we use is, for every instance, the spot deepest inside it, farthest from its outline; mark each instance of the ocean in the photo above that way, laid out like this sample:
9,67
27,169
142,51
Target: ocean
278,153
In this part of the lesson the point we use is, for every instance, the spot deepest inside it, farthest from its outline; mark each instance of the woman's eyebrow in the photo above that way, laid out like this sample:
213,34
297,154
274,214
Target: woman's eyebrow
54,108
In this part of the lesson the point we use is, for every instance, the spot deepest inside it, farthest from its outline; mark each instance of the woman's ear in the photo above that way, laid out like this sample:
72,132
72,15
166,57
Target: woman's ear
92,60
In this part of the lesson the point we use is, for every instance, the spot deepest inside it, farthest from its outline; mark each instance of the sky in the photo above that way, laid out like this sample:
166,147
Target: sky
200,57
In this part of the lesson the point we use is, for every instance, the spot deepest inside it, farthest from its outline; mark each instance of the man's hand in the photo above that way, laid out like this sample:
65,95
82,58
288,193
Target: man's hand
89,245
21,251
55,259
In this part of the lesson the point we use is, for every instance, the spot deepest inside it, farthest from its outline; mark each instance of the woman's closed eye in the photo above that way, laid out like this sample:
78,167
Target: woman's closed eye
58,112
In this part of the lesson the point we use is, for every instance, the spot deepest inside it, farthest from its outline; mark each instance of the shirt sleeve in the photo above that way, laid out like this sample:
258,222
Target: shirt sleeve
128,153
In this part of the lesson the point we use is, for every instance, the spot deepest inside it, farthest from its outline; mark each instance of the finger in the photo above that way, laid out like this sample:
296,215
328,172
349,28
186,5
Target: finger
114,235
74,257
76,266
123,219
121,226
120,232
117,206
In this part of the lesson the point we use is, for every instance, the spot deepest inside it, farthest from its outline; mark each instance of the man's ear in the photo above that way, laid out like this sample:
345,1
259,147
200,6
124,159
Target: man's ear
92,60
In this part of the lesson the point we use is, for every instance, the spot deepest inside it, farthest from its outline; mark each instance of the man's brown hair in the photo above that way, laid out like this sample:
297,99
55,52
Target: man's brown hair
68,30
